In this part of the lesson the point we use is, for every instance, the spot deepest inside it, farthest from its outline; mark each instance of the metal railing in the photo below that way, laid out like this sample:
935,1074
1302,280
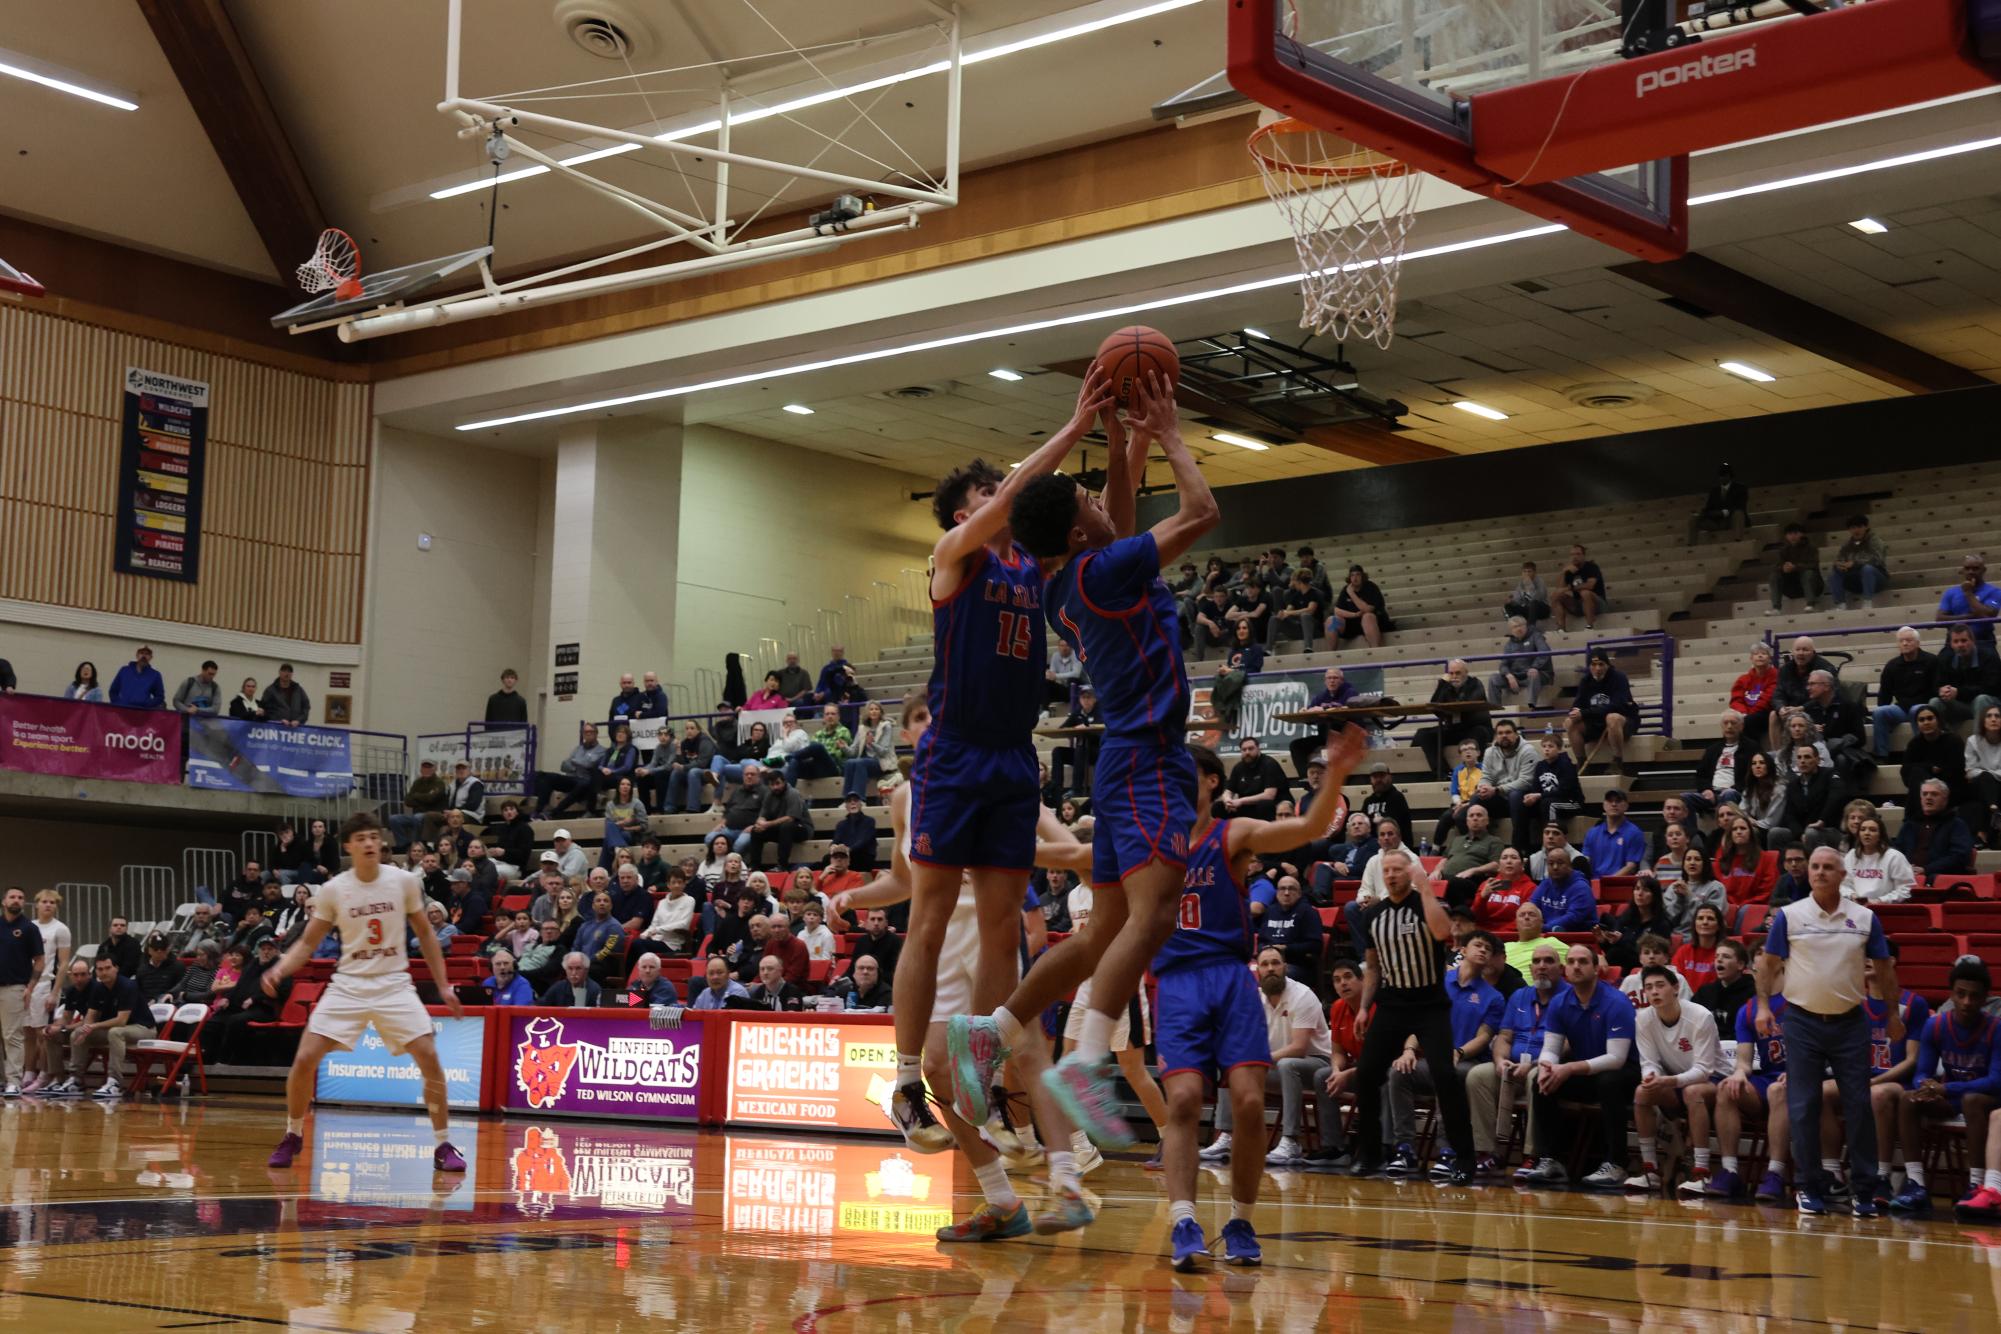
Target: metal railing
211,867
86,910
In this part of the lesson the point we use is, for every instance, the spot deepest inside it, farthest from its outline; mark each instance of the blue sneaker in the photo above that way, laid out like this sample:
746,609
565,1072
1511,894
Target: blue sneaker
1190,1246
1866,1207
1810,1202
1771,1189
1913,1199
977,1052
989,1223
1240,1244
1724,1184
1086,1095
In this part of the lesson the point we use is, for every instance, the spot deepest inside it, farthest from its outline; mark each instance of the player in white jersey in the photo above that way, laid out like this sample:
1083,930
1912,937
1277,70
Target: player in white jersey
370,905
1003,1215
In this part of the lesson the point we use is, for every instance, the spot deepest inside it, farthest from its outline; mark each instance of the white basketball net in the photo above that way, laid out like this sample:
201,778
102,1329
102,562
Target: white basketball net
1350,213
335,262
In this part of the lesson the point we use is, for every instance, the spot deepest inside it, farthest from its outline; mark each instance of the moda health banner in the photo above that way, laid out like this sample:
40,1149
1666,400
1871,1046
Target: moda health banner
267,757
580,1063
40,735
163,437
369,1075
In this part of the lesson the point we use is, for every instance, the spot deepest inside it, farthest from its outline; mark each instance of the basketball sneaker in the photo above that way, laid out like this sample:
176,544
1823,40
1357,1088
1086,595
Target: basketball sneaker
1216,1150
1190,1246
1087,1100
990,1223
911,1112
1913,1200
977,1052
288,1149
999,1127
1066,1212
1724,1184
1240,1243
1771,1189
1984,1205
445,1158
1697,1184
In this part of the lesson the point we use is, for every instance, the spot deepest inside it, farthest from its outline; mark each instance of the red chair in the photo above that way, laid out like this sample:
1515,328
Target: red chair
1986,944
1328,917
1905,918
1932,947
1346,892
463,945
1970,916
172,1050
1755,919
514,903
1945,887
1930,980
818,971
1614,890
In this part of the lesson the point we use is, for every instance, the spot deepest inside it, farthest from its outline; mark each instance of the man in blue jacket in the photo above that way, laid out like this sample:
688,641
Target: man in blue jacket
139,684
1565,897
1934,839
508,987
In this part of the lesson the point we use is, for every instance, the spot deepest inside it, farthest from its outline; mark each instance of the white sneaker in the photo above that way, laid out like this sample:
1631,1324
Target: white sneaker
1218,1149
108,1090
68,1086
1286,1151
1609,1176
13,1089
1089,1161
1644,1181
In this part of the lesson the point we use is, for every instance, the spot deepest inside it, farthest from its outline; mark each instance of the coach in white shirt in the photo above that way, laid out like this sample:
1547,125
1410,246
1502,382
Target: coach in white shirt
1824,940
1389,839
1302,1048
1678,1051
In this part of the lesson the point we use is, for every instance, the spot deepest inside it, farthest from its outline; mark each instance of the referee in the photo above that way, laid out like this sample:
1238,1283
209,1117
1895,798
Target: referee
1405,941
1823,940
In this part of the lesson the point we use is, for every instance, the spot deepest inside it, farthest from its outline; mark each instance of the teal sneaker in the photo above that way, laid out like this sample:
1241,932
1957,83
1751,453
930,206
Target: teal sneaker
977,1052
990,1223
1086,1095
1066,1212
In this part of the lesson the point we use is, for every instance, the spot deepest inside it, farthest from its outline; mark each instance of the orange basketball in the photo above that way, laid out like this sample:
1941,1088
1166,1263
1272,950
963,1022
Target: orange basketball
1130,353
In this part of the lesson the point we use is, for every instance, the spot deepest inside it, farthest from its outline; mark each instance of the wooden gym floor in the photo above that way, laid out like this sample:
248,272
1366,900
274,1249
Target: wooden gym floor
144,1217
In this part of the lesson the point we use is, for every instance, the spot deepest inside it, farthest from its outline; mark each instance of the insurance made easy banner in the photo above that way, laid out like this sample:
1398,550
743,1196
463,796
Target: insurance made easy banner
267,757
40,735
370,1076
163,436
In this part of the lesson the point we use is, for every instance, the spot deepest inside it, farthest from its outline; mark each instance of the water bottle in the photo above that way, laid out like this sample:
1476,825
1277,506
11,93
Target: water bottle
1424,847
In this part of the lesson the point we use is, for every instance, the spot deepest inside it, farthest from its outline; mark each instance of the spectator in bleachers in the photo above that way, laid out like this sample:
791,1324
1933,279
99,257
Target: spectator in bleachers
1727,505
1525,664
710,871
646,988
83,684
1972,599
1763,798
575,773
506,705
285,701
1299,615
1389,847
716,989
1721,767
1909,679
1256,784
601,940
1552,794
774,990
1505,891
1933,752
1553,837
1077,758
1346,860
1675,810
1466,779
1862,565
823,752
247,706
1456,686
1615,845
878,942
1605,708
1791,694
1733,987
426,794
1700,888
1969,677
138,684
246,1004
734,754
856,831
519,934
1674,842
1246,654
1528,930
743,808
1385,801
783,822
835,675
767,696
199,694
838,877
1250,606
1831,719
1753,693
1292,926
1696,958
1477,1009
872,993
511,840
576,988
1934,839
814,933
1335,693
1359,609
631,905
1580,590
1064,672
1209,624
467,908
871,754
1746,867
290,923
1593,1026
1509,772
1958,1074
1796,568
1564,897
506,986
1647,913
122,946
1792,885
788,949
1472,856
670,781
672,922
793,683
1815,797
484,871
440,926
1875,872
624,821
1983,776
542,962
207,929
1528,603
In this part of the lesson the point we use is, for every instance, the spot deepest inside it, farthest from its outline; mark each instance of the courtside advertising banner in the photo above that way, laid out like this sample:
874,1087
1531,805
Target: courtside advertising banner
39,735
267,757
824,1188
583,1063
556,1170
162,437
363,1159
370,1076
826,1074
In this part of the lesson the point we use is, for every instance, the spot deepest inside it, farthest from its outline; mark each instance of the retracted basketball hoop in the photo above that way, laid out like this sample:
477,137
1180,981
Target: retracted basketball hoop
334,267
1350,212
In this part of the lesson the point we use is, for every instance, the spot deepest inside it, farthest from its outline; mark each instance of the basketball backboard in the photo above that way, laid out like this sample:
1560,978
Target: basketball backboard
390,287
13,280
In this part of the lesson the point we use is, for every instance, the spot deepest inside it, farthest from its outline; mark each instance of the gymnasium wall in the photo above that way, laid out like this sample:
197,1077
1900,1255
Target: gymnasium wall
771,535
284,512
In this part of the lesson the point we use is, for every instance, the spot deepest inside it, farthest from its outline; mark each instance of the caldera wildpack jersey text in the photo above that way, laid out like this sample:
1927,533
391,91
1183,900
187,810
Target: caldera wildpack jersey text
372,917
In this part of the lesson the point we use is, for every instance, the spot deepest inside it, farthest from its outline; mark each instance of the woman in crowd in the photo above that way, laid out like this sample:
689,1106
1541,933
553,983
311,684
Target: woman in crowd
291,919
1852,816
1800,731
1700,886
1676,842
1876,872
1506,890
624,823
1760,794
1645,914
768,696
872,752
753,745
248,707
673,919
1751,694
84,686
1746,868
1696,959
1933,752
711,868
1983,776
1359,609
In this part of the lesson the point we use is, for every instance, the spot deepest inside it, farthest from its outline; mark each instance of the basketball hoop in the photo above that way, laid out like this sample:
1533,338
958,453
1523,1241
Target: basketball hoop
335,266
1350,211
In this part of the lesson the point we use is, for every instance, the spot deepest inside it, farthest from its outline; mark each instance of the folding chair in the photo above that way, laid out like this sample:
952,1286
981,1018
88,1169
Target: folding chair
167,1048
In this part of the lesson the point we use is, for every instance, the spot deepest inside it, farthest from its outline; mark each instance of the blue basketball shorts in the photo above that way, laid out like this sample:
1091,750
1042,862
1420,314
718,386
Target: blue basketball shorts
973,805
1207,1018
1143,798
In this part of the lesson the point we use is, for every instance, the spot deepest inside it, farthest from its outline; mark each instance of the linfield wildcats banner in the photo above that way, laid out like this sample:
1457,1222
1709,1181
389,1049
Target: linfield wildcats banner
162,440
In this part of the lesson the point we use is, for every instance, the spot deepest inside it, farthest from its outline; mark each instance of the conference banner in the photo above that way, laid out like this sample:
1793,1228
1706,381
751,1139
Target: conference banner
240,756
369,1076
580,1063
827,1073
40,735
1269,694
163,436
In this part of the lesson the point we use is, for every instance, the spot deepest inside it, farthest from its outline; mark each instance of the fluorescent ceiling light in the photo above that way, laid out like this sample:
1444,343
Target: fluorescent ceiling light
65,86
1868,226
1481,410
750,115
1747,372
1101,314
1249,332
1240,441
1003,373
799,409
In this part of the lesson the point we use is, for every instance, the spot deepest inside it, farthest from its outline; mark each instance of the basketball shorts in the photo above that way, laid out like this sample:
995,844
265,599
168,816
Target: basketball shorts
1138,1019
973,805
41,1004
348,1006
1144,799
1210,1020
959,967
1763,1083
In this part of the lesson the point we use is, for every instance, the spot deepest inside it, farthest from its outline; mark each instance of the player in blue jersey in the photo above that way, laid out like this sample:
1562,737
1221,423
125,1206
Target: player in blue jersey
1757,1084
1209,1023
1891,1063
1106,597
974,789
1959,1073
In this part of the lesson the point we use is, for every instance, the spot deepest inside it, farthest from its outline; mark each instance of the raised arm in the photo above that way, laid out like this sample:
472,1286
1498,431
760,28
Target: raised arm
1057,848
1197,514
1121,477
1344,752
893,885
949,556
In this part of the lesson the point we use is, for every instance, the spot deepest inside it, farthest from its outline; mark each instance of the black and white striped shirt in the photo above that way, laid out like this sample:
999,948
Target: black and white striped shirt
1411,961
